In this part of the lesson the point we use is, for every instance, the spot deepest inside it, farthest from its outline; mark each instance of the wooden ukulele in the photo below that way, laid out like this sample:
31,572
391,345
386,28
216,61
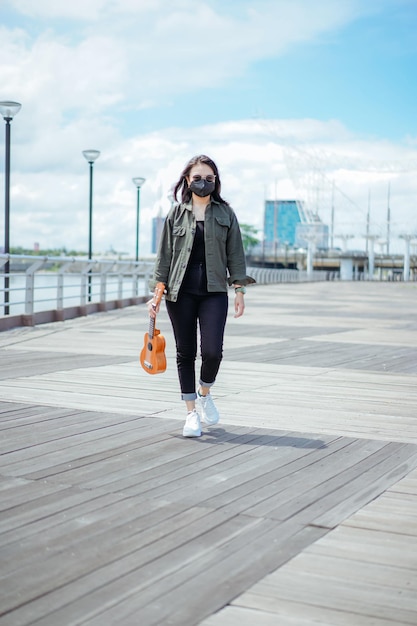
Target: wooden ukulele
152,356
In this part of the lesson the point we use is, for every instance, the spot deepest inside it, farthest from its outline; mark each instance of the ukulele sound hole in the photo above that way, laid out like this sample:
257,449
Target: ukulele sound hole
150,347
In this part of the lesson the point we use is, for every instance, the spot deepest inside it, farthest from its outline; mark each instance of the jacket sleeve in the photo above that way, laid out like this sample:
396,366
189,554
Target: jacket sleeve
164,254
236,261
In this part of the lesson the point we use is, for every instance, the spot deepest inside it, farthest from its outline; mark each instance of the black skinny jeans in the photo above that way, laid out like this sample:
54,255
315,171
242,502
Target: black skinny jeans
211,312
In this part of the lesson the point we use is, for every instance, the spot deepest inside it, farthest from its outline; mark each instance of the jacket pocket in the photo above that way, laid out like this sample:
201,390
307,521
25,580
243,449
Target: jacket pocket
178,231
222,225
178,240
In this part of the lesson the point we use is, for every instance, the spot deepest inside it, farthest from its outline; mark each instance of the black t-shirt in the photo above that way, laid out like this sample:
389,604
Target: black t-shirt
195,279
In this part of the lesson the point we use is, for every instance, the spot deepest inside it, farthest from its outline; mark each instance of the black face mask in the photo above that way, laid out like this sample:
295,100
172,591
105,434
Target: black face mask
202,188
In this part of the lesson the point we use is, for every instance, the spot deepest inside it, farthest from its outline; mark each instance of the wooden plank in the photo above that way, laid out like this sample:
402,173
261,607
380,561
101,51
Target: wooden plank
45,500
380,477
232,475
330,354
165,464
335,497
204,593
65,450
138,519
320,590
313,562
74,514
295,480
26,492
116,564
24,363
368,546
137,588
242,616
394,512
283,608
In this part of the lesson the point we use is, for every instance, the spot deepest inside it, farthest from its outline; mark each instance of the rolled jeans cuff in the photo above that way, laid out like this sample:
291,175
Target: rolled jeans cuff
189,396
203,384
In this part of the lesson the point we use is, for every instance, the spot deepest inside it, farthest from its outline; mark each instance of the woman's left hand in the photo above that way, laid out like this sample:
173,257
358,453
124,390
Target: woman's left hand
239,304
152,309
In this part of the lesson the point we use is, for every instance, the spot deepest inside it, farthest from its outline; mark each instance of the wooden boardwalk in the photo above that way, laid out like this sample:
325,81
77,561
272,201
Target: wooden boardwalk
298,508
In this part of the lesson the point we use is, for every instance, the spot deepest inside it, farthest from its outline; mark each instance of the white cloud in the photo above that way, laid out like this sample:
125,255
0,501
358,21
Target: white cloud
87,60
138,52
50,9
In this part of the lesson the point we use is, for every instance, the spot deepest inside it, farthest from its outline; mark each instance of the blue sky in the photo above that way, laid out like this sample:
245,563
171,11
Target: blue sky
363,74
287,96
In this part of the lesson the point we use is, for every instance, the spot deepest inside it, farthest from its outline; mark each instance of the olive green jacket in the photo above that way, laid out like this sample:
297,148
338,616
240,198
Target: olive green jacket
225,257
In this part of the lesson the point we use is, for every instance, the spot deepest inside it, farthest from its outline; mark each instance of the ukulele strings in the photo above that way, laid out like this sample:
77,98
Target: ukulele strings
151,327
152,320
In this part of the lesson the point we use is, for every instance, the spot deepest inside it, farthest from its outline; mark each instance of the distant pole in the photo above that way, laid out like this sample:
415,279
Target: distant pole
368,220
275,225
332,220
90,156
310,257
265,224
138,181
388,218
371,255
8,110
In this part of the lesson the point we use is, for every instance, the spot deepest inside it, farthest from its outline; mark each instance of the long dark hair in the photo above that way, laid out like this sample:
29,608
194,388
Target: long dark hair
182,184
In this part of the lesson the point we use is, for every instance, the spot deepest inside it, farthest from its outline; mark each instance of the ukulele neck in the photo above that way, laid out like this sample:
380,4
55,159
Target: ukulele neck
151,331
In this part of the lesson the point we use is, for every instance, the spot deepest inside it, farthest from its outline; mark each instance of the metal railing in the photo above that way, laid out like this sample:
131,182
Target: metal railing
66,287
264,275
41,289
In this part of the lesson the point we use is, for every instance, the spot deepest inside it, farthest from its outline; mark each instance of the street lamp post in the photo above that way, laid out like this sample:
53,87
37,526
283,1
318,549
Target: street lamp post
8,110
90,156
138,181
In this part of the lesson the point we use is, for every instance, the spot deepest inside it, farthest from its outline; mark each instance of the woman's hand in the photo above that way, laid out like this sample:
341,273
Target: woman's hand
239,304
152,309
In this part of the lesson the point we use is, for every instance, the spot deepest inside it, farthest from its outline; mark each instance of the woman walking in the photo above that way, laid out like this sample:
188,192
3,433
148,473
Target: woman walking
200,254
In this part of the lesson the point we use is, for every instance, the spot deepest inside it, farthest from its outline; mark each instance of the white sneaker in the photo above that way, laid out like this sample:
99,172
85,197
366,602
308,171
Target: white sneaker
192,426
209,413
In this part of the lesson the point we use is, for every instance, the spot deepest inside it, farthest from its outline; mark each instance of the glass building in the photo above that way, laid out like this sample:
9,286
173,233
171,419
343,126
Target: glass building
280,221
286,223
